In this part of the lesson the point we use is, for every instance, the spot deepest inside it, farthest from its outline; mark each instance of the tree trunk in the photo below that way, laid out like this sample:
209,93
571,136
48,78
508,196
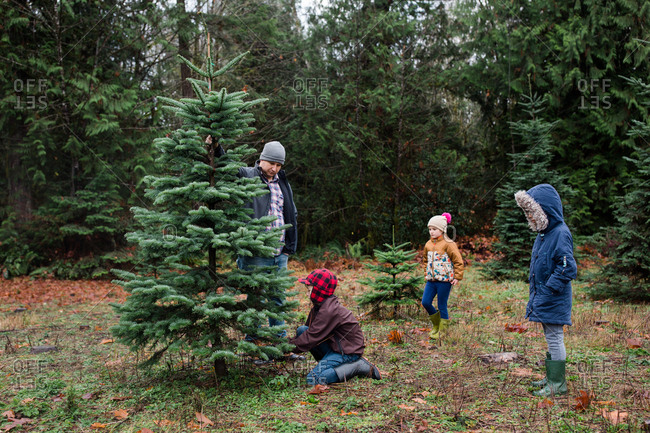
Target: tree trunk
184,50
220,369
19,195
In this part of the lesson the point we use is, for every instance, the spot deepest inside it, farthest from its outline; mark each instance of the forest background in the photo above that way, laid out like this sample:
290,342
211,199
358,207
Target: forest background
390,111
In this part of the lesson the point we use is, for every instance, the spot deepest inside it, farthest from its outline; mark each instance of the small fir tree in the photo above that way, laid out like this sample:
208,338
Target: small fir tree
394,286
91,225
530,168
182,296
627,273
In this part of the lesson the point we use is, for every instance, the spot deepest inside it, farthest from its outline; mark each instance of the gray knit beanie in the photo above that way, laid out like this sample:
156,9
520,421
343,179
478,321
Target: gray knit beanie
273,152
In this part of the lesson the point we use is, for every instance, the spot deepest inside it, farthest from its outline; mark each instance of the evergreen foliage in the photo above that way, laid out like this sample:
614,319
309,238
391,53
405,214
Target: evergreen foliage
394,286
532,167
76,118
576,53
407,104
371,112
626,274
183,296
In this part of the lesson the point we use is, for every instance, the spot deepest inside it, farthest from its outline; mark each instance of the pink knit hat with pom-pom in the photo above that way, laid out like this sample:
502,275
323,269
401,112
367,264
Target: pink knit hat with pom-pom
440,222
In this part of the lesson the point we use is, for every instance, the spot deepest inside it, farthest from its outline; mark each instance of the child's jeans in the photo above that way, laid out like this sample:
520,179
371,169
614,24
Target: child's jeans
555,341
328,360
442,290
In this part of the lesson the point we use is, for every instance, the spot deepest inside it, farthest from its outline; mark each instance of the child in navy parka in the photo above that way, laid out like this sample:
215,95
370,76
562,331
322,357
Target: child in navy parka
552,267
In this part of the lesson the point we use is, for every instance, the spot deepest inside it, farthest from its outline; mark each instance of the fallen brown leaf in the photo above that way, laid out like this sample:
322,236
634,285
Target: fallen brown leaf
419,400
546,403
583,401
203,419
120,414
9,414
17,422
144,430
319,389
164,422
395,336
107,341
634,343
406,407
516,327
193,426
97,426
615,417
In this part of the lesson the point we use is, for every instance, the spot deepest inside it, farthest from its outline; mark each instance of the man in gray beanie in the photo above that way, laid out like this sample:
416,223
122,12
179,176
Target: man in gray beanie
279,203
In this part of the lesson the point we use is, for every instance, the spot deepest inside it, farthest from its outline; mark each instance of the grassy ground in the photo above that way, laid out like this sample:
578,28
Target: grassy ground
92,385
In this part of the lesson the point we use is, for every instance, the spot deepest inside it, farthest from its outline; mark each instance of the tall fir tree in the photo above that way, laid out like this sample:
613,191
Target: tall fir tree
626,276
183,295
394,286
528,169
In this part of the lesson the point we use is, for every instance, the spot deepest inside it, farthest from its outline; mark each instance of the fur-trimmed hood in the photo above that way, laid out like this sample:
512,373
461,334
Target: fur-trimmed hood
542,206
552,265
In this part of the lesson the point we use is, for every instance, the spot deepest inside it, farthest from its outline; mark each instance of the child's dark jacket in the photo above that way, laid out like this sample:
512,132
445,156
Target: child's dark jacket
333,323
552,265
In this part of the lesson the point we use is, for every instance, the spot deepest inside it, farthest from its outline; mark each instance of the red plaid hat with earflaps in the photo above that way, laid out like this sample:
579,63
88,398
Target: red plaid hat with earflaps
323,284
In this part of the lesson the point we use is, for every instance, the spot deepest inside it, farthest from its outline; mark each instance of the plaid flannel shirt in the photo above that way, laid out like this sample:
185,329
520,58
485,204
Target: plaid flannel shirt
276,208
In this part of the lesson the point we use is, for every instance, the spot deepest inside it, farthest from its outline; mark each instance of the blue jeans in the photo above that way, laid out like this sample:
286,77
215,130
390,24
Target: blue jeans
442,290
280,262
328,360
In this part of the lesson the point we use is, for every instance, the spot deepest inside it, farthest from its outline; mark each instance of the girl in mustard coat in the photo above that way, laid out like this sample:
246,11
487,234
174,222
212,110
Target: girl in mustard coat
444,269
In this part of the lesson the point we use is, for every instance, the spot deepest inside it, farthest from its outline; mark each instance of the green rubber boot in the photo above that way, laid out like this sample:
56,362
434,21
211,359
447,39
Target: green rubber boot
542,383
556,380
444,324
435,326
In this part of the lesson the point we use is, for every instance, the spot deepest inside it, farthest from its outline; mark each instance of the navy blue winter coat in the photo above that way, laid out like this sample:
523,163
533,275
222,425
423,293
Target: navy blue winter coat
552,265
